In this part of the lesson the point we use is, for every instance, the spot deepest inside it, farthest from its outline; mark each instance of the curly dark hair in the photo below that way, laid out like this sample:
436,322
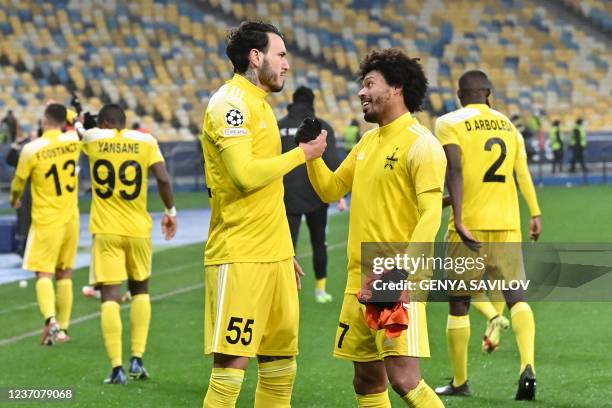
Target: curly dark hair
247,36
398,70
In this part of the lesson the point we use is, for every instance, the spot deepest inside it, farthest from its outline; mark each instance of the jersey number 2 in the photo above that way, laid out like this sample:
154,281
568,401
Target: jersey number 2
490,176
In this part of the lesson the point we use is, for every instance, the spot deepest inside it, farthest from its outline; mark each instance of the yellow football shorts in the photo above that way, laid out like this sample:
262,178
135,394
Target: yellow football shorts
251,309
355,340
501,254
52,248
117,258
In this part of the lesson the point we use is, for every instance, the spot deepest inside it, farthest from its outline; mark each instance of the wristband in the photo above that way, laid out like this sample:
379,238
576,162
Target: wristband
171,212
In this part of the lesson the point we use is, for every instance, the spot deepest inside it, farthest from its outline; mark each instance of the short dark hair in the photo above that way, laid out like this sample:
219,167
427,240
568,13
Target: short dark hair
56,114
398,70
247,36
113,115
304,94
474,80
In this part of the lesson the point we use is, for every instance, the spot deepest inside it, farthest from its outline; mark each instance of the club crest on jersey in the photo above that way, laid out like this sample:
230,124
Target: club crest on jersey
391,160
234,118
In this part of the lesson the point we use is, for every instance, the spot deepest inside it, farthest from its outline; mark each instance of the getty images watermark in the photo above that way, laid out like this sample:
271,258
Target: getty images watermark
542,271
457,266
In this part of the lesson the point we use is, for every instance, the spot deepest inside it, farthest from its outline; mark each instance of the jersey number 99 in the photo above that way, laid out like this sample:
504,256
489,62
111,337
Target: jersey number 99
104,175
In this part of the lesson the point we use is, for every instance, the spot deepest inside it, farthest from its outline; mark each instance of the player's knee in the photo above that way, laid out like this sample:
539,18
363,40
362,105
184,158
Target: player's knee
369,382
63,274
459,306
110,293
46,275
403,382
513,297
138,287
228,361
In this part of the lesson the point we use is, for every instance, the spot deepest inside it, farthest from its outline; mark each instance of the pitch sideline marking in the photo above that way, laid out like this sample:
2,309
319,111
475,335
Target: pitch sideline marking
14,339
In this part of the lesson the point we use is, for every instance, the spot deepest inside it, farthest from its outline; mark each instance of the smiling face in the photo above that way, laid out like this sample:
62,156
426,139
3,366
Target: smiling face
274,66
376,96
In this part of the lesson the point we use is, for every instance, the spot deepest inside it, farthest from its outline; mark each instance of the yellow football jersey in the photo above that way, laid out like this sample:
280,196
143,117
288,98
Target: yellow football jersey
245,226
387,169
119,162
491,149
51,163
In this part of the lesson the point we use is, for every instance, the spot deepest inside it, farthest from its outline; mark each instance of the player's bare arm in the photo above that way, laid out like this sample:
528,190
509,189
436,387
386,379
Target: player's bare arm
446,201
164,186
454,183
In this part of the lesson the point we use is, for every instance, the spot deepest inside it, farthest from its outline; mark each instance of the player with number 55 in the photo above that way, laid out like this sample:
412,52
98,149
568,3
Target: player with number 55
119,160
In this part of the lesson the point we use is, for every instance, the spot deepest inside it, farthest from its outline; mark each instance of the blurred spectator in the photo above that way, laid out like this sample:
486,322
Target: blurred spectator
350,137
300,197
517,121
10,128
556,143
579,144
136,126
533,124
24,213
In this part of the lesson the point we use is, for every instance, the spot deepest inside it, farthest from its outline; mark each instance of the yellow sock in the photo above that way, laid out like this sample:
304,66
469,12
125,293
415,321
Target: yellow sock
499,307
140,318
380,400
458,336
523,326
223,388
423,397
111,331
485,307
64,302
45,294
321,284
275,383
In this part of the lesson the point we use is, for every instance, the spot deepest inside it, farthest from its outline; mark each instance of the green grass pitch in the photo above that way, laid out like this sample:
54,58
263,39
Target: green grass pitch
573,363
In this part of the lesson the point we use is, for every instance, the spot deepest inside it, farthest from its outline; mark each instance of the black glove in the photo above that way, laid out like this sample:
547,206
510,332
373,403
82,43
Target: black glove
309,130
75,102
89,120
383,297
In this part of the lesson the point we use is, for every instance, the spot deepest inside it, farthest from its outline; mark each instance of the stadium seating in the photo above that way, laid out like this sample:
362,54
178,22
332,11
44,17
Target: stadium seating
162,59
534,60
597,11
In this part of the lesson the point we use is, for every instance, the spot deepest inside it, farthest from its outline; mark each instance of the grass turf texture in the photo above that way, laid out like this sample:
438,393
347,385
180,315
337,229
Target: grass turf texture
571,338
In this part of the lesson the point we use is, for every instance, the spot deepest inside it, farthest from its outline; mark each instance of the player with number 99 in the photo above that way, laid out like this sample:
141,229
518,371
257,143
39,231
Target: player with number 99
121,226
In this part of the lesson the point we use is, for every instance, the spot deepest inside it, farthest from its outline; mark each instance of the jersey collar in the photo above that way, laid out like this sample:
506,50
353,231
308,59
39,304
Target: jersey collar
53,133
478,106
248,86
401,122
